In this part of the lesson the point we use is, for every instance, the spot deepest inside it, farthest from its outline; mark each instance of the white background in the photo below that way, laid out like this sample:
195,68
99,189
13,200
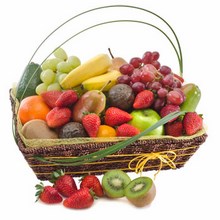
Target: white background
191,192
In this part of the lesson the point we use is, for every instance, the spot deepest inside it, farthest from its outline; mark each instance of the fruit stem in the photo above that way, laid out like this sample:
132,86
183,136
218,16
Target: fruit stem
105,86
110,52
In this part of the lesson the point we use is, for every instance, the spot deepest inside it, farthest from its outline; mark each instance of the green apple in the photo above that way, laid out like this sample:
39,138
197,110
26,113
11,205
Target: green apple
145,118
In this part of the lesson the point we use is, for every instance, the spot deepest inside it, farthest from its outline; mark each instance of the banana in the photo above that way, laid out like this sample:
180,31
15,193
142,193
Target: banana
93,67
98,82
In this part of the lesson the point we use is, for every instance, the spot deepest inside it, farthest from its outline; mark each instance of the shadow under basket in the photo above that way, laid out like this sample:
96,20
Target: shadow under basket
147,153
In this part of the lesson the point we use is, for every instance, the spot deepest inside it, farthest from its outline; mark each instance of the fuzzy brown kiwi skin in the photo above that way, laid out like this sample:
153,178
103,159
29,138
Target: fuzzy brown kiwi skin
145,199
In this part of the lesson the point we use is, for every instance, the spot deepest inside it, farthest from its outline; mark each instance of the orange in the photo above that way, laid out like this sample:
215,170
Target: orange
106,131
32,107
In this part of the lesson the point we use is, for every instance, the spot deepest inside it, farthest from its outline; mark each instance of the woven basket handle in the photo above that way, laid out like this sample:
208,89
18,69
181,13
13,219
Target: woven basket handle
177,48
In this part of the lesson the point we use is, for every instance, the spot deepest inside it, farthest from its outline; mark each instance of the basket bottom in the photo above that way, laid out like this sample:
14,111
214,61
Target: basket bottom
43,171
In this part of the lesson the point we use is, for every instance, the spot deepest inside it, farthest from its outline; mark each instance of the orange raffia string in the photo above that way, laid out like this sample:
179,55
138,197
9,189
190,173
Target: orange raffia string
165,157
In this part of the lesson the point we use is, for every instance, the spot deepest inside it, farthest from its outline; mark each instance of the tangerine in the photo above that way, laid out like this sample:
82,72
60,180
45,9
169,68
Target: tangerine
106,131
32,107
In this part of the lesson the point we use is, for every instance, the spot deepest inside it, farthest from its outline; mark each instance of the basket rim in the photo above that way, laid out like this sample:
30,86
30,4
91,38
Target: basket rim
196,140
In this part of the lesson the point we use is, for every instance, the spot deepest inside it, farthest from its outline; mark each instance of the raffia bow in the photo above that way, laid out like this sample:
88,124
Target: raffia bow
165,157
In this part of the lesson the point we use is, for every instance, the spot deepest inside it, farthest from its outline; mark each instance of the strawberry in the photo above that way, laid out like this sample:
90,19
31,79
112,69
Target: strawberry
63,183
174,128
126,130
50,97
67,98
91,123
143,99
192,122
167,109
92,182
47,194
80,199
58,117
115,116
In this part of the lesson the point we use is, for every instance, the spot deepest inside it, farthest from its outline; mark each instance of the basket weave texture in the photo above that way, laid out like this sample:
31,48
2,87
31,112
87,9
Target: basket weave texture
156,153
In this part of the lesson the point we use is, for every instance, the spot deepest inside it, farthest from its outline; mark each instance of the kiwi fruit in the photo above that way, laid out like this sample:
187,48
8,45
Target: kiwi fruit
38,129
114,183
140,191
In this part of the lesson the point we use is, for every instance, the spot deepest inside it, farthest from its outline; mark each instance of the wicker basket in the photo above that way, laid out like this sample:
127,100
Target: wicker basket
145,154
157,153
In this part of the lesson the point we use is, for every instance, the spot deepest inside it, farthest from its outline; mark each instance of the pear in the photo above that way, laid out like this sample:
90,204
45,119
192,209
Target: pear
117,62
93,101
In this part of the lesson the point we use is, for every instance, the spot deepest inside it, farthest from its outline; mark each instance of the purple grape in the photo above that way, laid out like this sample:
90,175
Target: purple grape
156,85
165,70
126,69
147,57
162,92
155,56
156,64
136,62
136,75
175,98
177,84
159,103
147,76
181,93
138,87
149,67
124,79
168,80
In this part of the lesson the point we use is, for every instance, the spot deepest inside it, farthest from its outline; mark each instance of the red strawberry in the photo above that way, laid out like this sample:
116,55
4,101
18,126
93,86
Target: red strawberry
63,183
47,194
91,123
144,99
58,117
126,130
174,128
50,97
115,116
80,199
66,99
167,109
92,182
192,122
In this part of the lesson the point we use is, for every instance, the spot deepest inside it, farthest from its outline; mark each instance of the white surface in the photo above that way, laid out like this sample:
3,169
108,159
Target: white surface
189,193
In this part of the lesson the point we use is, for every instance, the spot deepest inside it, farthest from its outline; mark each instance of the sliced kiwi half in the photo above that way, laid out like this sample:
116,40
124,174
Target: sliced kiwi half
140,191
114,183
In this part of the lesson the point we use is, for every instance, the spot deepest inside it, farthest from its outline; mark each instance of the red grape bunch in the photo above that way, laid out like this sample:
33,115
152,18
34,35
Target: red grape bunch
147,73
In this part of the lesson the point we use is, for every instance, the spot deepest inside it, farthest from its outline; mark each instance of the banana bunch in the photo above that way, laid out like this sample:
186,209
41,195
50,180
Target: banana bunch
94,74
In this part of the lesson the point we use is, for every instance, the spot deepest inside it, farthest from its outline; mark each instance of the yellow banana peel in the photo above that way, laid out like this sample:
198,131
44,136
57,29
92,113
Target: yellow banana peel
97,83
94,67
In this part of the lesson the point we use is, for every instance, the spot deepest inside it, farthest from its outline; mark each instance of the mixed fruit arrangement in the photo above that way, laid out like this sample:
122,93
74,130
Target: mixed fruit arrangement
105,96
140,191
